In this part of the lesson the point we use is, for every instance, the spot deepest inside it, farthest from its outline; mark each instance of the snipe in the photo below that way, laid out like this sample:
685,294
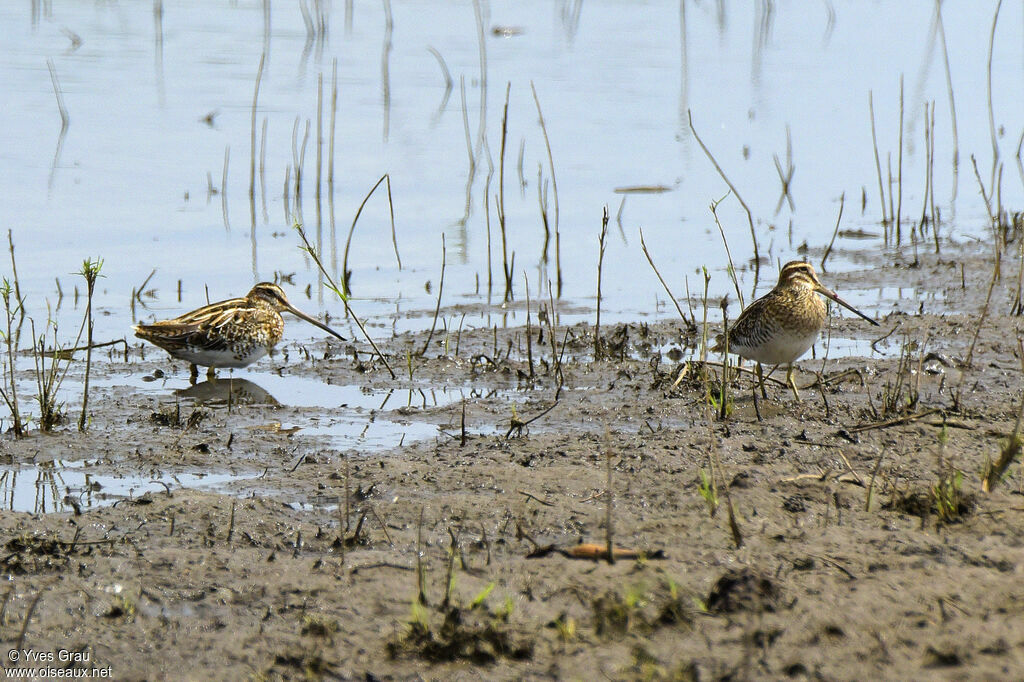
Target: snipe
783,324
231,333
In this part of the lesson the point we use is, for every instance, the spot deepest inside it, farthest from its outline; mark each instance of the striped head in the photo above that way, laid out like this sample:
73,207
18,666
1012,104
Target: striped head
801,276
271,294
797,274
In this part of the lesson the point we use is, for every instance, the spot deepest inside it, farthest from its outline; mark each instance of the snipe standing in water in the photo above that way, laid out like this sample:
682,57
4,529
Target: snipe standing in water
783,324
231,333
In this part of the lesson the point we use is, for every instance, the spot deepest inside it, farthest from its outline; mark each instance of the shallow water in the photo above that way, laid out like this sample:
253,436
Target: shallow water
614,83
155,99
354,419
264,388
58,486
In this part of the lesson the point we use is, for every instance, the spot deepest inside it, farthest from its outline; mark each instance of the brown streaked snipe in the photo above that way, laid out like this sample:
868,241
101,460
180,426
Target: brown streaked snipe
231,333
783,324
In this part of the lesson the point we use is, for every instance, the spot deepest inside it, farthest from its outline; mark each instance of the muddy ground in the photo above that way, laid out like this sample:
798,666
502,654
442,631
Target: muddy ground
862,544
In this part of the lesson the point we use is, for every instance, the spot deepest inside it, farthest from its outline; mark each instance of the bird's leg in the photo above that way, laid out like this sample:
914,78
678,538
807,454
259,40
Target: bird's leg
193,374
760,381
792,382
211,373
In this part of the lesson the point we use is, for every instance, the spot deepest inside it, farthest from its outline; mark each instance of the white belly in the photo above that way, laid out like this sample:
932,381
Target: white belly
225,358
782,349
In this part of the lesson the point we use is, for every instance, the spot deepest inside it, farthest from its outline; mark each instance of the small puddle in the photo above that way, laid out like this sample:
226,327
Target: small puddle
295,391
365,434
878,301
58,486
353,418
841,347
349,416
292,391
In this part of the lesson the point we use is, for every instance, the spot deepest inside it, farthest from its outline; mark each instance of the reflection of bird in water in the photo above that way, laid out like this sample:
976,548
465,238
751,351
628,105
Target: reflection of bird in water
231,333
783,324
227,391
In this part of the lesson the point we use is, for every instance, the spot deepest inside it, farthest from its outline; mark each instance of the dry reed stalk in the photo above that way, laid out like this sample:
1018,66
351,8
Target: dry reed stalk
839,218
482,45
728,253
522,178
892,209
263,174
65,119
551,323
91,271
952,102
334,117
929,117
643,246
465,125
252,141
723,407
224,189
554,190
878,163
988,297
500,206
308,248
440,290
421,595
542,202
600,263
319,143
385,66
446,74
386,180
899,170
988,81
1020,159
287,192
750,217
529,328
487,219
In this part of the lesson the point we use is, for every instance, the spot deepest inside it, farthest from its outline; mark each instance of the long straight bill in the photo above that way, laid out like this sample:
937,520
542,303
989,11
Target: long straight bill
313,321
835,297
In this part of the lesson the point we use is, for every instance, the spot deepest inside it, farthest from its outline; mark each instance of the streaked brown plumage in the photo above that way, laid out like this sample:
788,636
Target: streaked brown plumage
783,324
231,333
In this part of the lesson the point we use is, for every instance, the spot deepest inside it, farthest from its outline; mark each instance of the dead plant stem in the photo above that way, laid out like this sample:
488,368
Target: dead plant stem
988,81
899,170
252,141
952,102
878,163
839,218
346,273
440,291
750,217
643,246
728,253
554,189
500,206
308,248
600,263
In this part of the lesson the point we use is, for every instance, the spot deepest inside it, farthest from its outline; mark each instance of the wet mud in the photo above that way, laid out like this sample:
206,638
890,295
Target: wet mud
845,536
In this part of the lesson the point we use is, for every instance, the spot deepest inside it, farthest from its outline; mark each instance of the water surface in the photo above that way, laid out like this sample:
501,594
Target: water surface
155,100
